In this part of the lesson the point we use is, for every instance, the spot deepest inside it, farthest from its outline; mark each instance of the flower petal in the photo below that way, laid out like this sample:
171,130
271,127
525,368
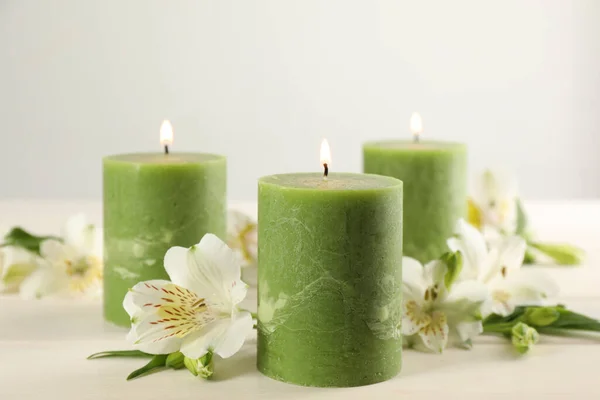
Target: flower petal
505,257
472,291
462,333
225,337
501,303
414,318
43,282
218,258
200,342
176,265
242,237
495,192
130,307
471,244
531,287
54,251
435,335
213,271
163,314
434,272
80,234
412,271
465,302
235,335
163,346
413,284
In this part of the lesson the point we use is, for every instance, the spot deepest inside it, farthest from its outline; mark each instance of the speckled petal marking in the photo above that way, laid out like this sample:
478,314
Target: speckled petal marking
175,311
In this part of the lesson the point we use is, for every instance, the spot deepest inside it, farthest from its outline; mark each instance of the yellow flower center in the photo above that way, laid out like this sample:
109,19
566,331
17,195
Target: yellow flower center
244,242
83,272
501,297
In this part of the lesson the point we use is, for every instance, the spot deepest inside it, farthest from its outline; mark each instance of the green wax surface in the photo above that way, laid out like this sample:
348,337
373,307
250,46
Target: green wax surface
329,278
151,203
435,189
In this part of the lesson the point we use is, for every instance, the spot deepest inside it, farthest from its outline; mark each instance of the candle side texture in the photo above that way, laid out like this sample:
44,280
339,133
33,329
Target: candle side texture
151,205
330,279
435,190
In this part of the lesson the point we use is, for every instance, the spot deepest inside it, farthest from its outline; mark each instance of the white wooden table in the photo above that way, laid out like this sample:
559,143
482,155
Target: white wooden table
44,344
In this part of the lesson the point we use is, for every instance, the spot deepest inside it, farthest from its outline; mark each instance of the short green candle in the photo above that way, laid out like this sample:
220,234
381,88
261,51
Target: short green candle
435,189
151,203
329,278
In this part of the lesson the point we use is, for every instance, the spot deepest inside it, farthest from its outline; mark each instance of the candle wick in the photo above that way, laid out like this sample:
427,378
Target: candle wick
166,149
325,171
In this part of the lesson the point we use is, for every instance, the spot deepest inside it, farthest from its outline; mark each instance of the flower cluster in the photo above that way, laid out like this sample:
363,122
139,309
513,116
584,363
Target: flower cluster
496,210
446,301
39,266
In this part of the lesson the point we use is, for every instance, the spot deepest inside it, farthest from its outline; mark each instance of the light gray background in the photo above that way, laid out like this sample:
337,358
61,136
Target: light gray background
264,81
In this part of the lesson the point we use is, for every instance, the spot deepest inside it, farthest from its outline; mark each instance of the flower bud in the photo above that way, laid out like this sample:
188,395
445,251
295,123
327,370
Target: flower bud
202,367
563,254
454,263
541,316
175,360
523,337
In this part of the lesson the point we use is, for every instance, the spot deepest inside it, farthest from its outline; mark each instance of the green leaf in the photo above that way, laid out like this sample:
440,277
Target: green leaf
19,237
547,320
120,353
521,218
157,362
572,320
454,263
563,254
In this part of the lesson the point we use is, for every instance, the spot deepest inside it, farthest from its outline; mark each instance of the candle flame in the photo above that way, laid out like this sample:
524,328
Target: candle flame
166,133
325,153
416,125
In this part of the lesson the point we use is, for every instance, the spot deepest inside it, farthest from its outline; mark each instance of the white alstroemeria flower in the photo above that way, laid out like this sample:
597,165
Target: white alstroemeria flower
499,268
197,311
16,264
493,204
432,313
71,267
242,236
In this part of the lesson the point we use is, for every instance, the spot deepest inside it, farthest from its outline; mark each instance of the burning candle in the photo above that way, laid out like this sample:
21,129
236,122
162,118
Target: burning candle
153,201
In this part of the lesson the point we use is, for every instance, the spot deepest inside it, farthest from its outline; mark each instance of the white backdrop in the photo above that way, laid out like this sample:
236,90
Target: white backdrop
263,81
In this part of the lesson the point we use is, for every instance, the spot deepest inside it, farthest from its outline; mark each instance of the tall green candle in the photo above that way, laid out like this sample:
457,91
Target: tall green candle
151,203
435,189
329,278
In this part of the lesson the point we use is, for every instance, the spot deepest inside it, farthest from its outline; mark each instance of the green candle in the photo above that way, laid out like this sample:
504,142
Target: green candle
330,282
151,203
435,189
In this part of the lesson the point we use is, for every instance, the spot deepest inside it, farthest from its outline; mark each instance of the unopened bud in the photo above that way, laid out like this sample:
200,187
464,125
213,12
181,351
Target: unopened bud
202,367
523,337
541,316
175,360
